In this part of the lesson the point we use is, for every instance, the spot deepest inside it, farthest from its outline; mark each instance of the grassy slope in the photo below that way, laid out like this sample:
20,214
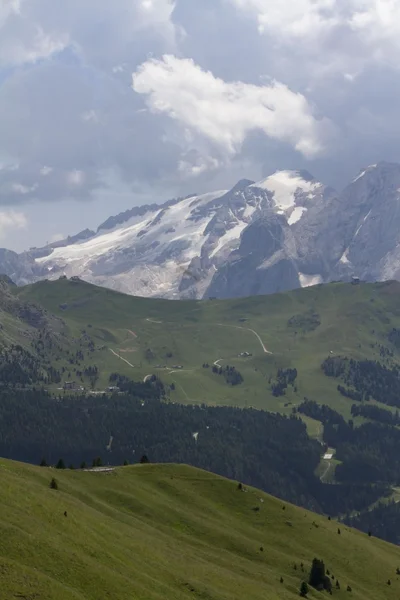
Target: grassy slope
352,318
167,532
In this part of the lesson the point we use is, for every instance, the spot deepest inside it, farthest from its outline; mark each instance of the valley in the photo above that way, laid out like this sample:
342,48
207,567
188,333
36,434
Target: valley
123,376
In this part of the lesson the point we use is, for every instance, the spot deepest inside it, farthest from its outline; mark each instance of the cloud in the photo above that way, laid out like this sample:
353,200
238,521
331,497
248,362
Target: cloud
31,30
225,112
343,31
297,19
57,237
23,40
223,89
11,221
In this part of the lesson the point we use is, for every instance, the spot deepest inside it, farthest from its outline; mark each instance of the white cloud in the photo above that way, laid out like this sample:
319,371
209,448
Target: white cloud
226,113
57,237
157,13
23,40
298,19
369,29
11,220
31,30
19,188
193,166
76,178
44,171
91,116
9,8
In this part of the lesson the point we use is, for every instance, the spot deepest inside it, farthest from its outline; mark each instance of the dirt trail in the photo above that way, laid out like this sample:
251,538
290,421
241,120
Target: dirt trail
325,473
153,321
252,331
132,333
120,357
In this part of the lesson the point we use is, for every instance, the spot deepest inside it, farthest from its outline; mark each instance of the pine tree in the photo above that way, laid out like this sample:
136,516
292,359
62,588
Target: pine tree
53,484
317,575
43,463
303,589
60,464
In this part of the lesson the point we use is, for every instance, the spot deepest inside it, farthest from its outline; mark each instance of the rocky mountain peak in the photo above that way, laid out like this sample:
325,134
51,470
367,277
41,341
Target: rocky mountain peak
281,232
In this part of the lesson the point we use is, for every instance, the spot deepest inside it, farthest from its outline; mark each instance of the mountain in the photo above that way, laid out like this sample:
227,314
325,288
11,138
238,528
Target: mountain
370,246
281,233
173,250
173,532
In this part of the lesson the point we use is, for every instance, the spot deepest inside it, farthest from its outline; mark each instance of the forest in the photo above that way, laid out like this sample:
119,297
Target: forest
369,453
268,451
365,379
371,411
383,521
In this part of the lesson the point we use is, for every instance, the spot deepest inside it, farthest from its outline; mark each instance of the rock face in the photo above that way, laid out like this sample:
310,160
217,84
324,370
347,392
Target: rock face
285,231
370,246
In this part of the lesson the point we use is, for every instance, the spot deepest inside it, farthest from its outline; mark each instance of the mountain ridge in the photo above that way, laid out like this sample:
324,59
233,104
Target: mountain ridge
283,232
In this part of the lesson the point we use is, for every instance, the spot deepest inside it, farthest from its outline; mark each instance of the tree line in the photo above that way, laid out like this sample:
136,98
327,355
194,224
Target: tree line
365,379
269,451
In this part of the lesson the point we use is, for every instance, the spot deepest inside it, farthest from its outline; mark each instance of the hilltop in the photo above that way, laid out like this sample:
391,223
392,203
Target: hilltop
151,532
258,336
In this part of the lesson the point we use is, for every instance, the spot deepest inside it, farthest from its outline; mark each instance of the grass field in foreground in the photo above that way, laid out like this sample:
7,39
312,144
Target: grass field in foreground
170,532
299,328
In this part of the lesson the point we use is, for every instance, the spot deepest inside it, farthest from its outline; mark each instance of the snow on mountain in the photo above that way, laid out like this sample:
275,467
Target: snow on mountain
174,250
292,192
285,231
144,255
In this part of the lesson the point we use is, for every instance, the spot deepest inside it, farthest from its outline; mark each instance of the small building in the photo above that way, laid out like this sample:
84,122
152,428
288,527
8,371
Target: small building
70,385
75,278
355,280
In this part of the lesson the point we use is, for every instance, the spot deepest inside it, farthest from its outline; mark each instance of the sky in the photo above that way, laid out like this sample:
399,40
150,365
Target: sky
108,105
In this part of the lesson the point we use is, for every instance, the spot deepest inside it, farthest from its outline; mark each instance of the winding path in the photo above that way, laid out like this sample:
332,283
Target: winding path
252,331
120,357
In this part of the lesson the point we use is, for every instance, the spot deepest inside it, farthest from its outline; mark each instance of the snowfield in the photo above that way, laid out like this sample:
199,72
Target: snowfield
175,249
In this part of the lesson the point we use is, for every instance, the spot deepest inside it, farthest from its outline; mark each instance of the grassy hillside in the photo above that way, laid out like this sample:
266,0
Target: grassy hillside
167,532
138,336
